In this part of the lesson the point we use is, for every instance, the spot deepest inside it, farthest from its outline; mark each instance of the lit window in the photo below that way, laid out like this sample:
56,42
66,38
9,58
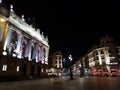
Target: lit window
17,68
112,57
42,70
4,68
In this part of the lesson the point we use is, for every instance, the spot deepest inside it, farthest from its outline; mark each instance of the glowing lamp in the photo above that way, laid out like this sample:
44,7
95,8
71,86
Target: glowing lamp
2,20
4,53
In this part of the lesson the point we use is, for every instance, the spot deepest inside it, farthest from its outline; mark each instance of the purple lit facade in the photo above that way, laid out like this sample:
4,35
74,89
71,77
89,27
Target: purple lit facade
23,49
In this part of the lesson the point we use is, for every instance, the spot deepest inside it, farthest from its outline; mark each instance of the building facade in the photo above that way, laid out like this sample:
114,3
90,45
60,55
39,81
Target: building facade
23,49
103,59
56,63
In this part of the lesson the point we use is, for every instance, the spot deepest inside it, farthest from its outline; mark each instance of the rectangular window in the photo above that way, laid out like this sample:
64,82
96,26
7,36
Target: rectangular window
59,66
60,58
17,68
4,68
42,70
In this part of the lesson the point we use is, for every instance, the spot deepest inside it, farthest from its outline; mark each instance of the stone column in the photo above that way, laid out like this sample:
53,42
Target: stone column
28,50
7,40
99,56
3,35
19,41
46,54
107,61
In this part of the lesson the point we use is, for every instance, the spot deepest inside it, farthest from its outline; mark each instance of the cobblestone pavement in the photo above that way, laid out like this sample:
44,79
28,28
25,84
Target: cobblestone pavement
84,83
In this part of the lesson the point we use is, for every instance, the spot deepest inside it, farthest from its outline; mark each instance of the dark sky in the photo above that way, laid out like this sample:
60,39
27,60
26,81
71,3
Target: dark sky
73,26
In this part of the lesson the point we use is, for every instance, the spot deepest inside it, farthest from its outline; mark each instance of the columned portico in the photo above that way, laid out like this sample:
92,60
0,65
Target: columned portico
23,50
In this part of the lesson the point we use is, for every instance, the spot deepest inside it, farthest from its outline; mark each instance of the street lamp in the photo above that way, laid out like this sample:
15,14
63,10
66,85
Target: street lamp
71,74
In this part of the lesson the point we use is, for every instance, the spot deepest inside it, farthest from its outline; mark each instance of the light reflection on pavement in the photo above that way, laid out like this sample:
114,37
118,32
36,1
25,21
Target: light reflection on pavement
84,83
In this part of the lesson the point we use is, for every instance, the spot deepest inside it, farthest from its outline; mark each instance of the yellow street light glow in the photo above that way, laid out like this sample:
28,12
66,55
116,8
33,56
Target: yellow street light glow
2,19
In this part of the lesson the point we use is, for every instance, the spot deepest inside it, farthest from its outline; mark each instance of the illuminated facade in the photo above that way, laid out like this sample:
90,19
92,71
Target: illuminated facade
102,60
56,64
23,49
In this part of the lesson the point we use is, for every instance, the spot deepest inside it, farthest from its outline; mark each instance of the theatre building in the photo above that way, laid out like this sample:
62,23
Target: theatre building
23,49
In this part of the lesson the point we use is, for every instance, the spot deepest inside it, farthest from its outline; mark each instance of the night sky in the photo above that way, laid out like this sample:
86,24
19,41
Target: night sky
72,26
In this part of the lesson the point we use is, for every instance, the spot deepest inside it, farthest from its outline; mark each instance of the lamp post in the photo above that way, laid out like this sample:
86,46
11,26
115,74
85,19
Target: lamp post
71,74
